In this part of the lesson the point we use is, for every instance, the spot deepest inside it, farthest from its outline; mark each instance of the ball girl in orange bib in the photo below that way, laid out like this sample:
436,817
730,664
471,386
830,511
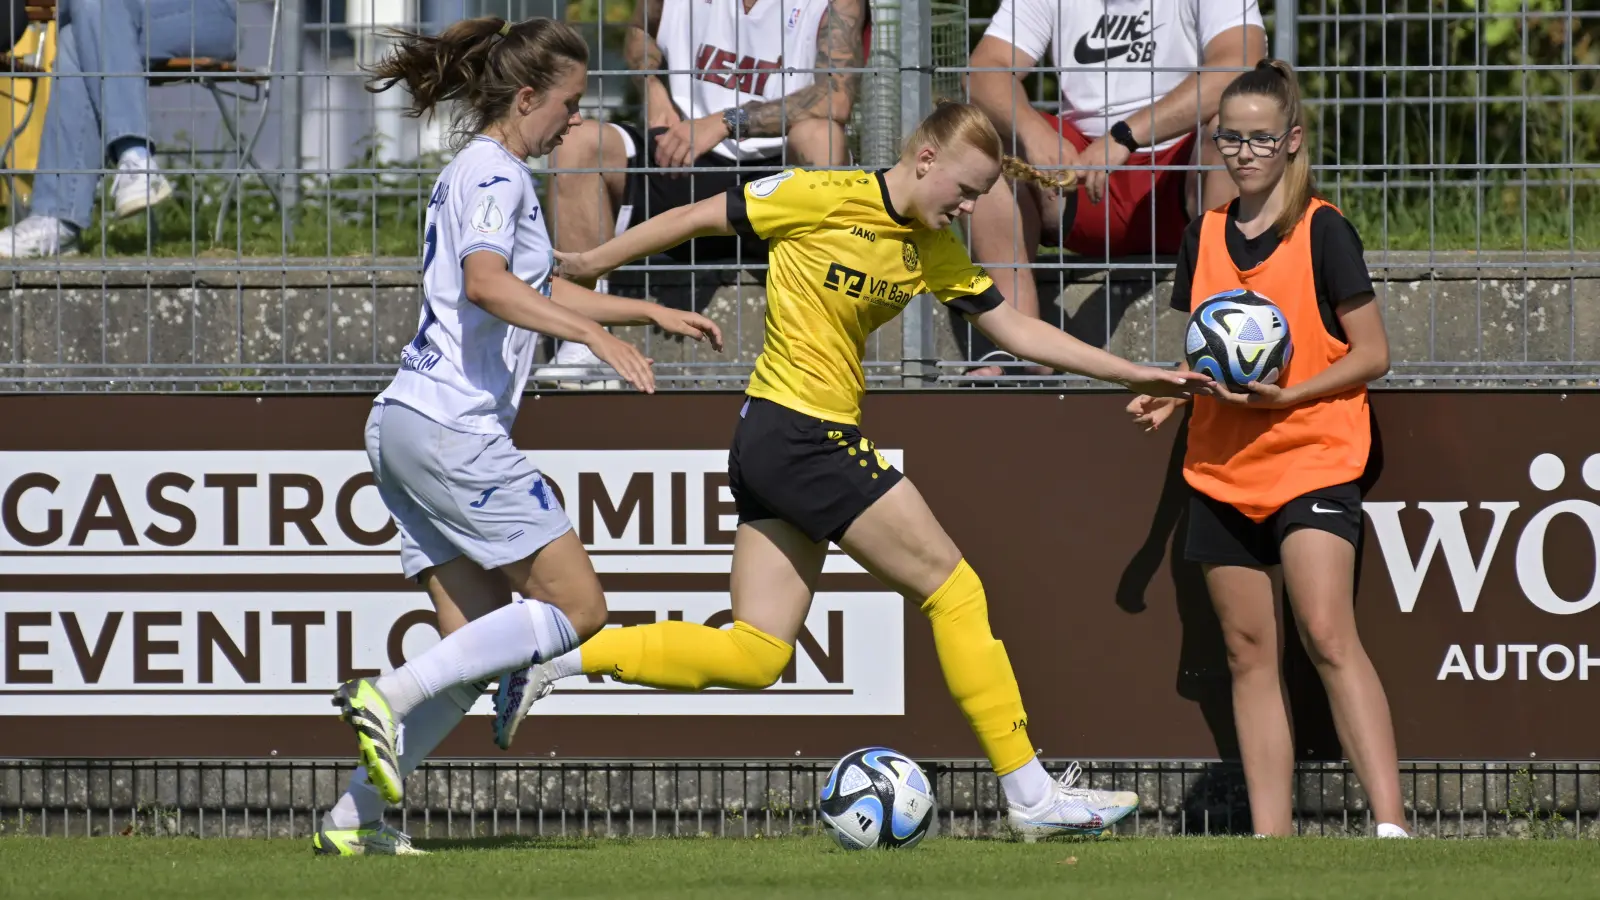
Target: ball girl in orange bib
1273,471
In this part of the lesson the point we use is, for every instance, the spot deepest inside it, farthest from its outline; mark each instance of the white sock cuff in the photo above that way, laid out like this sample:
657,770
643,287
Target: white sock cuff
556,635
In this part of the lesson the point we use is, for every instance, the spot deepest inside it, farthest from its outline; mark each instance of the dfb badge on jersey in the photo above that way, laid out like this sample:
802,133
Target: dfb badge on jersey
764,187
487,217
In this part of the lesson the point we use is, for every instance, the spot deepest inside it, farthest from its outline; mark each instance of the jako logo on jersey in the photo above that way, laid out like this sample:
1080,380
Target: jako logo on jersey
487,217
860,232
710,62
1117,36
494,181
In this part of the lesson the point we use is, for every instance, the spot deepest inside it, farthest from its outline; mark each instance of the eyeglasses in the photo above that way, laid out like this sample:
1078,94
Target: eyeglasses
1229,143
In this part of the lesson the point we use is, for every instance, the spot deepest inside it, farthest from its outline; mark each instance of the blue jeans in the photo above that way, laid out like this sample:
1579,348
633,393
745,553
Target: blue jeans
89,114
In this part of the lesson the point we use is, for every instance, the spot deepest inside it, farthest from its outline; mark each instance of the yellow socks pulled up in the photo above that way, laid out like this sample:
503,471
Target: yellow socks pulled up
687,657
977,670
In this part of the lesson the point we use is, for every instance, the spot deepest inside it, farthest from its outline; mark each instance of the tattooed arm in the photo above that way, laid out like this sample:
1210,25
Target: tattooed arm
643,53
830,96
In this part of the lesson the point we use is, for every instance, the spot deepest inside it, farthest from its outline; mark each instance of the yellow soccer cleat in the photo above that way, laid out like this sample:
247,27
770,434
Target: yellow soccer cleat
365,709
371,839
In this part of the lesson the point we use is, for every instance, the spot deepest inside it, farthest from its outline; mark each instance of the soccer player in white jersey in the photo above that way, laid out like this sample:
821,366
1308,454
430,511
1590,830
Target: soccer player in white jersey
727,113
477,520
1141,81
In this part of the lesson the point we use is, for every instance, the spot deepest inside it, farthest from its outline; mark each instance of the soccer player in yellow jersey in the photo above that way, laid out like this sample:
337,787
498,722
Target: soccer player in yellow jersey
848,250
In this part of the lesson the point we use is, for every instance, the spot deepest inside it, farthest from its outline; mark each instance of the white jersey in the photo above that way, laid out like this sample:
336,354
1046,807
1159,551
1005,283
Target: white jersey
1117,57
710,36
466,369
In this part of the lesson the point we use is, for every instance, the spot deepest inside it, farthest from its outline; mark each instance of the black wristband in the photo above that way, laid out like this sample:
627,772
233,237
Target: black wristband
1123,135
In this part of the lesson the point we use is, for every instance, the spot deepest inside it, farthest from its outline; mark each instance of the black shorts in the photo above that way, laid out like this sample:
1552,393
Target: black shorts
1221,534
650,194
818,476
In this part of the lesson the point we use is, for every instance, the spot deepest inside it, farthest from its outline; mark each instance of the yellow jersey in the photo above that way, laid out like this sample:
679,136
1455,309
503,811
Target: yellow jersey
841,263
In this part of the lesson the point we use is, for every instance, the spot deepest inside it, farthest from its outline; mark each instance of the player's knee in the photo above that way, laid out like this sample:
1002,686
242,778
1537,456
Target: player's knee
1330,642
764,657
960,596
1250,651
586,146
819,142
588,615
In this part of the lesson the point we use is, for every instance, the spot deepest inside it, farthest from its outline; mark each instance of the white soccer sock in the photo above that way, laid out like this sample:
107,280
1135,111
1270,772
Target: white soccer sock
567,664
1028,786
424,728
509,638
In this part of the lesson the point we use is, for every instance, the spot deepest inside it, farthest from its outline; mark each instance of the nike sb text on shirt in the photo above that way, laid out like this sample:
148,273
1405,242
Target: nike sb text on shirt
1117,56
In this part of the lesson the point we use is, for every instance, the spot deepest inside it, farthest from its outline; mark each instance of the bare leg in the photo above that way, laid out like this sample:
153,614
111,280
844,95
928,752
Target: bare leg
562,575
1319,570
1245,604
775,569
1006,229
586,202
1210,188
818,142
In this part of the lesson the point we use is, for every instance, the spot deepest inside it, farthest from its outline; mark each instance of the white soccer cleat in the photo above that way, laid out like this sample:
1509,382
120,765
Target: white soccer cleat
1072,810
518,691
138,186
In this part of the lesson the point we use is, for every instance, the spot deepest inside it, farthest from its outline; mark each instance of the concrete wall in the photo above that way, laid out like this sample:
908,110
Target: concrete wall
342,322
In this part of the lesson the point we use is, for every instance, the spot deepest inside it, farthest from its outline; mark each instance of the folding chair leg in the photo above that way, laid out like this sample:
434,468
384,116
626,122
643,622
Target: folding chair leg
246,154
11,140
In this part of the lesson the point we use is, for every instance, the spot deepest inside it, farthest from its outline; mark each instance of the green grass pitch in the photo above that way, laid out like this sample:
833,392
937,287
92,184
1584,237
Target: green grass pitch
710,869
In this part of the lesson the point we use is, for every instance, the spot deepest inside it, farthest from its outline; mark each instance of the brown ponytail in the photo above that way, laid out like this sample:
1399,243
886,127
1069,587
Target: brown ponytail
1276,79
480,62
952,121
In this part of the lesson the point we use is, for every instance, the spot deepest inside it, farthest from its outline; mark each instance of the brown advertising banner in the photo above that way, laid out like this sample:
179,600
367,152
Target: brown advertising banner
192,576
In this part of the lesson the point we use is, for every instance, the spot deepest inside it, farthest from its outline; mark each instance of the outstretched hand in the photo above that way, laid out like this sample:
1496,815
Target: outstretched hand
1151,412
633,366
689,324
1259,396
1170,383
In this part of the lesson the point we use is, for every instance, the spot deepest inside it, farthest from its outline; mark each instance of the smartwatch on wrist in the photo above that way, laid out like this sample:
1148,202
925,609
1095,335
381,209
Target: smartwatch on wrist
736,118
1123,135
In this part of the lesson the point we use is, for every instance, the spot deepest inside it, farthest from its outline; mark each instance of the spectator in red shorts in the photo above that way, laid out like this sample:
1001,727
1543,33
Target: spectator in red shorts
1132,101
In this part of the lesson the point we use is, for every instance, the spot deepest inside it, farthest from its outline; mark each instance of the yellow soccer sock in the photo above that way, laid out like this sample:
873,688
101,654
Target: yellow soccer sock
977,670
687,657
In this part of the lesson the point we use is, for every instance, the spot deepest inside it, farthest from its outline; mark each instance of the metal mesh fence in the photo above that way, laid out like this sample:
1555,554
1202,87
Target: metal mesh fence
471,799
1460,141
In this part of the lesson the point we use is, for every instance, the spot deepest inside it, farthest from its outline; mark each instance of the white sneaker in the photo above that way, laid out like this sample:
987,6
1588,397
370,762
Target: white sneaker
575,368
1389,830
1072,810
518,691
38,236
138,186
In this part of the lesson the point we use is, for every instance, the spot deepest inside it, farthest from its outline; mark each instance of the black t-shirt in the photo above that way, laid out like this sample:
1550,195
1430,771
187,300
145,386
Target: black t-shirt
1336,258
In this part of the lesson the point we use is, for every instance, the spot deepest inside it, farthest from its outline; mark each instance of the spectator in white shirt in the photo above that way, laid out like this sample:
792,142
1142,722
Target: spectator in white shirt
1140,83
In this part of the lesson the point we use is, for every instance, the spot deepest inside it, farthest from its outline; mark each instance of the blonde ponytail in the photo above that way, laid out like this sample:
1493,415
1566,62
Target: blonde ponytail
1017,170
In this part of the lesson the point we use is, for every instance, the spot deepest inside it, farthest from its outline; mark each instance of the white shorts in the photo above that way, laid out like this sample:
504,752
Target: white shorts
453,493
